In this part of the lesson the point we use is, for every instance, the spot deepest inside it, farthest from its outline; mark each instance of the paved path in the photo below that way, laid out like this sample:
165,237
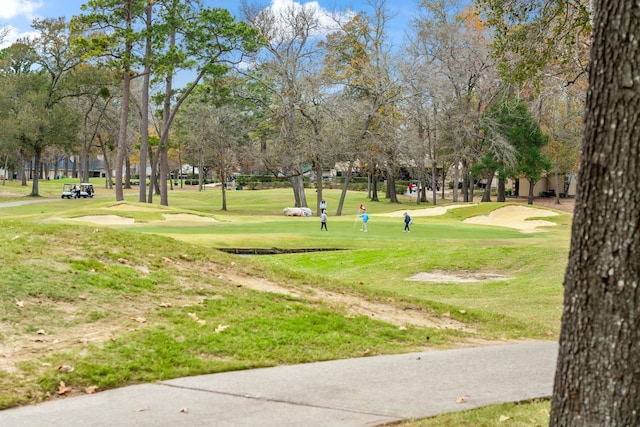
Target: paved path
366,391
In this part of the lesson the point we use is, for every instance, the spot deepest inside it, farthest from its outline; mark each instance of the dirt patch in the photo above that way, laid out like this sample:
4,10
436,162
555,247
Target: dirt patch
457,277
515,217
389,312
18,348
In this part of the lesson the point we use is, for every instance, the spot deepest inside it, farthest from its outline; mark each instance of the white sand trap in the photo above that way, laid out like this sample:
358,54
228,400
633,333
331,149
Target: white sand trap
105,219
438,210
515,217
123,207
456,277
188,218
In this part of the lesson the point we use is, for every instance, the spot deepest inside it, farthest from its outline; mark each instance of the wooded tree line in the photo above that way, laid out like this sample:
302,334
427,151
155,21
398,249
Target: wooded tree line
279,92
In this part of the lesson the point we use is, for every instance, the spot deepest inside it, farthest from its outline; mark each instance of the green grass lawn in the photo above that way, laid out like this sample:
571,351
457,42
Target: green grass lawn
155,299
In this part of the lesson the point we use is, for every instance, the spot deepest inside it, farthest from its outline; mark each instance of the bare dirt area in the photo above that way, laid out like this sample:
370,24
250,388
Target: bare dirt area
388,311
16,348
456,277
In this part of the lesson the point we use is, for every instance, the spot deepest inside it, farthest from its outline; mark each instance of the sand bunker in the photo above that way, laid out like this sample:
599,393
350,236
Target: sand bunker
509,216
515,217
105,219
168,218
456,277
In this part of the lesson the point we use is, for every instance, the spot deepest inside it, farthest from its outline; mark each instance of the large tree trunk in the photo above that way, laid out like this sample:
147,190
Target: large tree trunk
501,190
456,180
597,379
345,187
35,190
556,174
318,170
107,165
391,185
297,183
144,110
532,184
486,195
124,110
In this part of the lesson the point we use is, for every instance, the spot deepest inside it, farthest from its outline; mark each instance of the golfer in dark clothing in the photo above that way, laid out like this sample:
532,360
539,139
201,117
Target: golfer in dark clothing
407,221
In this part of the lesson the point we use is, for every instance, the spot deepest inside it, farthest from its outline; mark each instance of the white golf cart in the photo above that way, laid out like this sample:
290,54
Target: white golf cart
68,191
76,191
85,190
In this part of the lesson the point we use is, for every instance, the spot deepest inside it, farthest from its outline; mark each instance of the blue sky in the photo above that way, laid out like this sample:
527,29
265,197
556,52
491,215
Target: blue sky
18,14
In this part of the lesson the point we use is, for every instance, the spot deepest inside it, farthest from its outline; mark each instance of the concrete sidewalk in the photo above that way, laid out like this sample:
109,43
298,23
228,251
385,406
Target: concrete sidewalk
366,391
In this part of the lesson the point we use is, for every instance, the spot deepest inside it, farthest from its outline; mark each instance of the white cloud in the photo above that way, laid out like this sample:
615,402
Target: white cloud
10,34
12,8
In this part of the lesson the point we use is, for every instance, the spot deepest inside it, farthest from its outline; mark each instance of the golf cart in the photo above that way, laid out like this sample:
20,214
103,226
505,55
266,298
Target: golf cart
68,192
85,190
76,191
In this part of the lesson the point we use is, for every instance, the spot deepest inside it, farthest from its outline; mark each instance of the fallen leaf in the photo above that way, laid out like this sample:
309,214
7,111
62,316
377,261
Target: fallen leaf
41,332
63,389
167,260
165,305
91,389
367,351
201,322
221,328
391,299
462,399
19,303
122,261
446,314
66,368
184,410
83,340
504,418
462,311
142,409
402,328
140,319
549,333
